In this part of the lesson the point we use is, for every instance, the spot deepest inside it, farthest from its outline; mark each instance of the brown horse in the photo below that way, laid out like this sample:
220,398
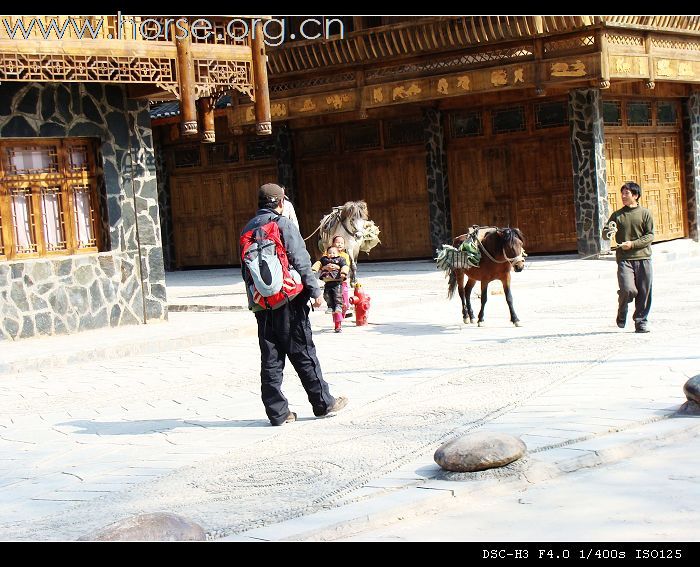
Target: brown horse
501,251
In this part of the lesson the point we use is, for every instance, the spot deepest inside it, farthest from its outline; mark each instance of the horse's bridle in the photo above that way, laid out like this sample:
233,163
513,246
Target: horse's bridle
519,257
356,233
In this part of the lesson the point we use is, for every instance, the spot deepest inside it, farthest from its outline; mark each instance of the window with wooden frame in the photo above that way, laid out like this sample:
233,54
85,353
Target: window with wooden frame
48,198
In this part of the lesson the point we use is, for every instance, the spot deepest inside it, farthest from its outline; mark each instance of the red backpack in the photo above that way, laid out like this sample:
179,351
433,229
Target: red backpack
270,280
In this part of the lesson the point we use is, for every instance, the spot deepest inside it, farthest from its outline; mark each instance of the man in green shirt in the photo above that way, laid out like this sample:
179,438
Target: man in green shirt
633,229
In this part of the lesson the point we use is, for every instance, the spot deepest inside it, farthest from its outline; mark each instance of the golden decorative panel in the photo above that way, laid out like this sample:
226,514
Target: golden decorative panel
628,66
565,69
572,68
670,69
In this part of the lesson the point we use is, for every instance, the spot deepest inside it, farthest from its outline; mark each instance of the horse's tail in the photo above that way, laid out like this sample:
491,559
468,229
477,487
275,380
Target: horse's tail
452,285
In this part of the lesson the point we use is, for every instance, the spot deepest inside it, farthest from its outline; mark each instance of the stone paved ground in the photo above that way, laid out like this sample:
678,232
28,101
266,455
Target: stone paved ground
184,431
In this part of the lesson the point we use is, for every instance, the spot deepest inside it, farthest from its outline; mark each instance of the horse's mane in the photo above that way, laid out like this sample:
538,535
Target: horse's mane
349,211
354,210
510,235
497,239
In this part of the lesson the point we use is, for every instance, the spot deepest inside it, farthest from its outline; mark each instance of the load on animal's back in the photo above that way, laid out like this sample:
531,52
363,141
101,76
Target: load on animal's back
351,221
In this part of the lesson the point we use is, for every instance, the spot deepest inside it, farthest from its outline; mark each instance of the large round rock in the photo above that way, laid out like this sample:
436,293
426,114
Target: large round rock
479,451
150,527
691,389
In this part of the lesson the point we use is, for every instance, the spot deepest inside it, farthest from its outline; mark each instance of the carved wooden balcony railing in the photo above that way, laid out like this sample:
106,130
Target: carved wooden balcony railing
99,49
414,38
684,24
435,35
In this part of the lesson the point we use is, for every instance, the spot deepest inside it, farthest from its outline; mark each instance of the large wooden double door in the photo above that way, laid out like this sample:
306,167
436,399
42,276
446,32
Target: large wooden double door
525,183
393,184
654,161
209,212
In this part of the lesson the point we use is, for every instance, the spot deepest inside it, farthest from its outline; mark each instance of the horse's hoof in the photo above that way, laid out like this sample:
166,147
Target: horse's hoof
466,320
517,323
480,323
472,320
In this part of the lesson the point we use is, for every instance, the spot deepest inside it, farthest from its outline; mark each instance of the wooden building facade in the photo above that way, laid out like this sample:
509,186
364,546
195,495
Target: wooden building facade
80,237
440,123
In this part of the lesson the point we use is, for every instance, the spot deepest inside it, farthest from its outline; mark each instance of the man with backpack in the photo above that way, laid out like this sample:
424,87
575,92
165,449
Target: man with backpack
279,282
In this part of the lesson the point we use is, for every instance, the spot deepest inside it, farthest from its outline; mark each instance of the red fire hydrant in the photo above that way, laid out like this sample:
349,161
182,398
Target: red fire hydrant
361,303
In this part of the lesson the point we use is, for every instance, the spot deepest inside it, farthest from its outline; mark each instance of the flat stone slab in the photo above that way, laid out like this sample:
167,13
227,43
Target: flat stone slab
479,451
150,527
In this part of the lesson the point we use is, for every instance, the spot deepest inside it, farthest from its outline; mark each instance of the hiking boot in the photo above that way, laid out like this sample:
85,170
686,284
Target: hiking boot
340,403
338,330
291,417
641,329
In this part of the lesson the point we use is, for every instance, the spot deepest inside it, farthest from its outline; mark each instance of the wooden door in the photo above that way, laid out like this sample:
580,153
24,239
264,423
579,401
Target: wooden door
201,206
244,187
654,161
399,197
524,183
392,183
545,197
209,212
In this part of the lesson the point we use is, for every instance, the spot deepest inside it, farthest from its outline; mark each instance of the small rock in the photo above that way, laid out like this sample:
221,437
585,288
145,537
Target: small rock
479,451
150,527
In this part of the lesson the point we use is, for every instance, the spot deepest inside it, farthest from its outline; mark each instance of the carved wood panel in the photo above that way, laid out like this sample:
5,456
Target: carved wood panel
210,211
392,182
654,161
525,183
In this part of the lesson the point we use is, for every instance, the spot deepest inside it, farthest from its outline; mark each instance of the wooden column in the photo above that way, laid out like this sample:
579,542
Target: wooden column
205,105
185,76
602,41
263,119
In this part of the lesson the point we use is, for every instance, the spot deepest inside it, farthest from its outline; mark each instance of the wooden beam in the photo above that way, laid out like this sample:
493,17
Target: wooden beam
148,91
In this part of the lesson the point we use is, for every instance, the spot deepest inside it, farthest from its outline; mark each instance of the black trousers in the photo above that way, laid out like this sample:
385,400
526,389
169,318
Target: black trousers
634,277
286,332
333,294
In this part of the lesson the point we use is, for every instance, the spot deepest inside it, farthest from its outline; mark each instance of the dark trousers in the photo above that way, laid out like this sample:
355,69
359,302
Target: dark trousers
634,279
333,294
286,332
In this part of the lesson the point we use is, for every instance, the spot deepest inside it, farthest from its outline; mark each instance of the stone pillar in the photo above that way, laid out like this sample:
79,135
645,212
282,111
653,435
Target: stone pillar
588,159
166,215
436,171
285,159
691,137
143,236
